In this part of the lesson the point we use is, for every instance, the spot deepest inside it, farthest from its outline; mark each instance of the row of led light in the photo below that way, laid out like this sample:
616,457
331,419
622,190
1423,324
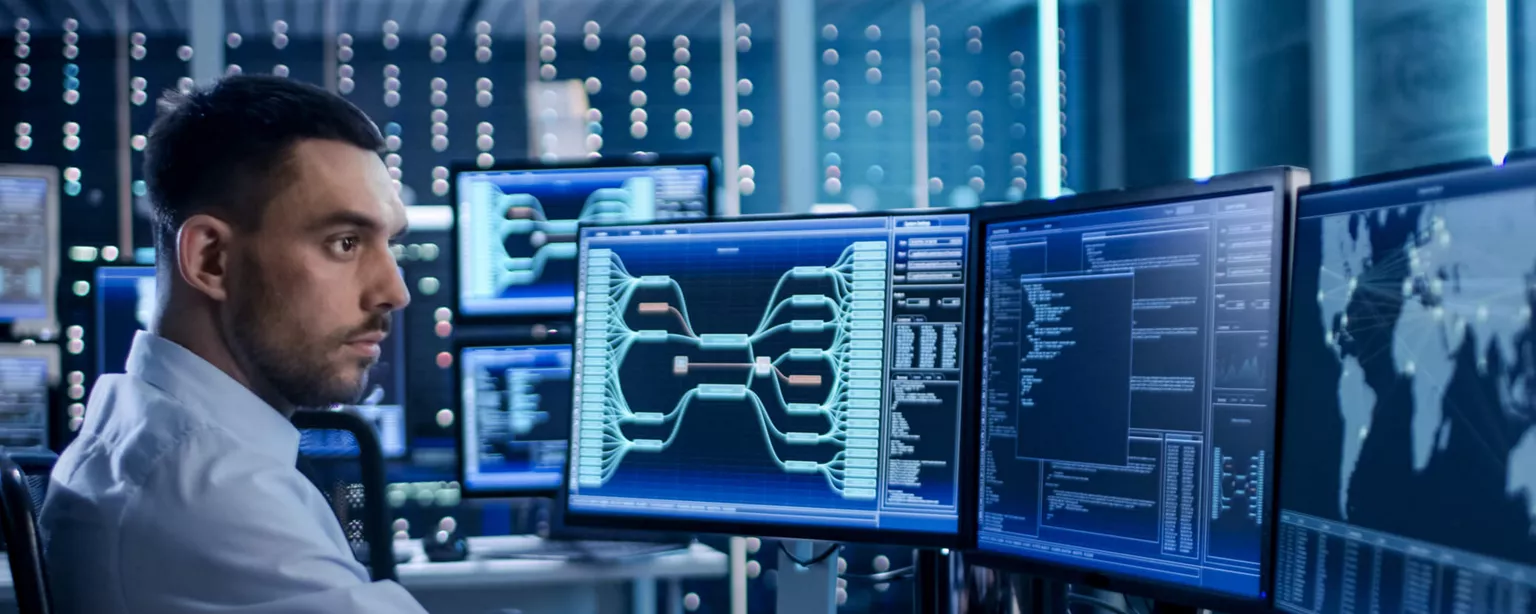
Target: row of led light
746,176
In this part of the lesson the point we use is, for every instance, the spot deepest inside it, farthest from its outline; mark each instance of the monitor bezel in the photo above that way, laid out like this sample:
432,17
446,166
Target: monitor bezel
461,439
1285,182
31,327
965,532
1516,161
710,162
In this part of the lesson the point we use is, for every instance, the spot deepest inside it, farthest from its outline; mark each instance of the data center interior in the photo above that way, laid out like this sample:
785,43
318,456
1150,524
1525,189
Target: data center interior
967,305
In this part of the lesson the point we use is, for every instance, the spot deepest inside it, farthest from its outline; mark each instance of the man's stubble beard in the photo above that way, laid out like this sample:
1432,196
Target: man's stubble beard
293,364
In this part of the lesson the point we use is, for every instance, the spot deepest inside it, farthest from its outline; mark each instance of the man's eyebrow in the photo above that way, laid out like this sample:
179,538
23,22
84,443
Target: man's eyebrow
347,218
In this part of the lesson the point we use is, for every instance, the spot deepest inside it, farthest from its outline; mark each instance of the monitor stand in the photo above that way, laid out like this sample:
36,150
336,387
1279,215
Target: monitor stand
807,590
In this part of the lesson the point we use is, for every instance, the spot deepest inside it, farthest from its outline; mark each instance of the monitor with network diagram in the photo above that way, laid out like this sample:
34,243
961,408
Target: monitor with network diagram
801,377
1128,387
1407,475
517,224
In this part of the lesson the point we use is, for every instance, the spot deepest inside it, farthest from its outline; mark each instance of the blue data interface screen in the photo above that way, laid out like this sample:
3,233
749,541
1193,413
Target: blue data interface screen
516,416
803,372
1128,389
517,229
23,402
1408,474
24,248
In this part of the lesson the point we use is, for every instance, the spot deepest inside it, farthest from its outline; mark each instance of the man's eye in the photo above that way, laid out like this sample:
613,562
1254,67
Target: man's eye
345,245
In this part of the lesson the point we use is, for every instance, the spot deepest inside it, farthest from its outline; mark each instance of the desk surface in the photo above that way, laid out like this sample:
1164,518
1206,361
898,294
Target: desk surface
699,561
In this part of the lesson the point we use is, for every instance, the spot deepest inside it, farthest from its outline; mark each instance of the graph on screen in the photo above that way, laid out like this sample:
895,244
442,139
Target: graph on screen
517,229
772,365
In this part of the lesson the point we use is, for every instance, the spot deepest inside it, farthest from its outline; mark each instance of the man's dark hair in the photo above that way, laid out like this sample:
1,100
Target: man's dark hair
225,149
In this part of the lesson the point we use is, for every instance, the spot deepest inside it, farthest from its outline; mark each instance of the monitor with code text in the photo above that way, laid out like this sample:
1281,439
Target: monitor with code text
514,425
1128,385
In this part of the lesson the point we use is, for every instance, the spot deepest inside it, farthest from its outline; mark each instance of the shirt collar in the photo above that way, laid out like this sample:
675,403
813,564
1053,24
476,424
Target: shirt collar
204,388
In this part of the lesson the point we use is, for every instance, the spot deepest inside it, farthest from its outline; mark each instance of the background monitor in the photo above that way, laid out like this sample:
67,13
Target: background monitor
516,224
790,377
1408,467
27,374
1128,385
29,246
125,304
514,418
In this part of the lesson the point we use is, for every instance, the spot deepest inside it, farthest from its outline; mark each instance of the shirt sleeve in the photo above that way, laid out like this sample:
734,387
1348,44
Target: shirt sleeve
218,528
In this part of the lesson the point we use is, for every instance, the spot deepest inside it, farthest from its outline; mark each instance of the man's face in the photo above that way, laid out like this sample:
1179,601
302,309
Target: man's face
312,289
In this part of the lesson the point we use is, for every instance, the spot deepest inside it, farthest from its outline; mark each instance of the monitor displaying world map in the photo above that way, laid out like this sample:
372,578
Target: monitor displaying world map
1408,465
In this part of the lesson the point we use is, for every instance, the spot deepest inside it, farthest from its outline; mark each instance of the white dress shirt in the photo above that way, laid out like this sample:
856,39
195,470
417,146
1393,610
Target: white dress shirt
181,496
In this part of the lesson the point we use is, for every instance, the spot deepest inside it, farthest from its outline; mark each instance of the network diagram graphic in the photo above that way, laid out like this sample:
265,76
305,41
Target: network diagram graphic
852,320
521,237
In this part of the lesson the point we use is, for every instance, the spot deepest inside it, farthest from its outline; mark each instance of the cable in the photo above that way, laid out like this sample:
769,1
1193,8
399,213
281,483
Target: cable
831,550
1096,602
885,577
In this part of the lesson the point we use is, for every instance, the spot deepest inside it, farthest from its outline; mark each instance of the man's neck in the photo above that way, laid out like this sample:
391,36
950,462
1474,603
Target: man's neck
196,330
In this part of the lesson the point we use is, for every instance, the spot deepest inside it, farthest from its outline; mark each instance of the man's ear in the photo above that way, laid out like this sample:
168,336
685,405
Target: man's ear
202,255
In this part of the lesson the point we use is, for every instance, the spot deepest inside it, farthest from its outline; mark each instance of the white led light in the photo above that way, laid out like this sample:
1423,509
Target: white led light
872,58
1049,70
872,32
829,57
637,73
593,85
1202,96
682,86
1498,79
829,32
637,55
744,87
745,117
547,72
637,98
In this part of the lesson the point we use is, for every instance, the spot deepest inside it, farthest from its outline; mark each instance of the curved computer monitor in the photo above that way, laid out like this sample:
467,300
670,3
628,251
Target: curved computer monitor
514,417
1407,477
1128,389
789,377
515,223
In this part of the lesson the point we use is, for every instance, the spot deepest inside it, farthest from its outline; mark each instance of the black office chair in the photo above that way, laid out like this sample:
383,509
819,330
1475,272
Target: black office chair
340,453
23,484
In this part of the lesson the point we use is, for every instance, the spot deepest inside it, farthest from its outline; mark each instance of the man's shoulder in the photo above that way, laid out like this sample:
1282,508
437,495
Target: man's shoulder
133,428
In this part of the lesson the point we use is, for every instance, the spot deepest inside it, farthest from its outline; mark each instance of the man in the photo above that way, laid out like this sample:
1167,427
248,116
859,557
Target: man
273,221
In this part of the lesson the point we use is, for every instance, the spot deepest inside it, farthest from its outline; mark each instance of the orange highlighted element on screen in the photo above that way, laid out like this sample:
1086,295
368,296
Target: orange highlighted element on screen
654,308
805,380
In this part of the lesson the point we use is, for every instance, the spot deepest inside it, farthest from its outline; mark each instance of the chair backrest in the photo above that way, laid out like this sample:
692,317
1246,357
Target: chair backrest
340,453
21,500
